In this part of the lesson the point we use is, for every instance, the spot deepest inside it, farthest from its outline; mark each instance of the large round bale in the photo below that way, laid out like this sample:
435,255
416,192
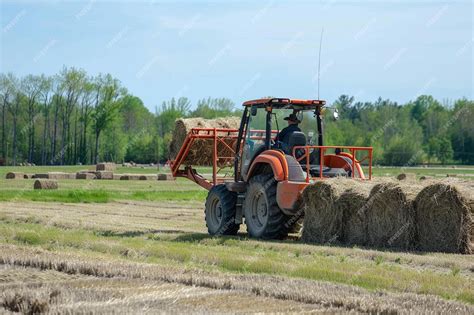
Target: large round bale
406,176
444,216
201,152
41,175
130,177
45,184
322,218
165,177
353,205
111,167
15,175
390,215
85,176
148,177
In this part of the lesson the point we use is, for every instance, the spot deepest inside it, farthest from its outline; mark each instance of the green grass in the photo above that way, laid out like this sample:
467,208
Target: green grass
233,254
99,196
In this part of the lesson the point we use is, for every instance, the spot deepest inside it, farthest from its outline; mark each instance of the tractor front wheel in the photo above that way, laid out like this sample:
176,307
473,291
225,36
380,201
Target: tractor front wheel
220,211
263,217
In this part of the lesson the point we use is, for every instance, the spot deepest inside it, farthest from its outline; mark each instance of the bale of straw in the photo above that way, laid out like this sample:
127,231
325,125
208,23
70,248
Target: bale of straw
352,203
41,175
104,175
444,216
406,176
322,218
111,167
201,152
15,175
28,176
390,215
148,177
117,176
165,177
130,177
45,184
85,176
58,175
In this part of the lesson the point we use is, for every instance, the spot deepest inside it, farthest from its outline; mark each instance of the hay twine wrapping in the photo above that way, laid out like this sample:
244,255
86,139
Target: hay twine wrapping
201,152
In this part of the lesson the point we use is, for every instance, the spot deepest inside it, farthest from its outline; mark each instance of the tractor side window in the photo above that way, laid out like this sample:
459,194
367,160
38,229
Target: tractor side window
254,138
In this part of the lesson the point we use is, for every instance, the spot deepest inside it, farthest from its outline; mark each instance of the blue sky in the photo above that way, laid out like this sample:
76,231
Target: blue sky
249,49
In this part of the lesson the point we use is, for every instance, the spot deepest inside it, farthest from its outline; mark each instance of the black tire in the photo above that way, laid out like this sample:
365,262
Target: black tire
220,211
263,217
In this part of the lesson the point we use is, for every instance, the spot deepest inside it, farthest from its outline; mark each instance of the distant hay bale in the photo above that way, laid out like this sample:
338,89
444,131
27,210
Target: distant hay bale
322,218
15,175
201,152
111,167
45,184
353,205
58,175
85,176
130,177
424,177
117,176
444,216
41,175
390,215
406,176
148,177
104,175
165,177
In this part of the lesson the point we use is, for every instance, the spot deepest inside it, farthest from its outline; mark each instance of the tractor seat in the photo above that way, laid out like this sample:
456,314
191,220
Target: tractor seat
297,138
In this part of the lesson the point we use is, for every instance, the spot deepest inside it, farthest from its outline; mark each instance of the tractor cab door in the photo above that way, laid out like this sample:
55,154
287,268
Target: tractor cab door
254,138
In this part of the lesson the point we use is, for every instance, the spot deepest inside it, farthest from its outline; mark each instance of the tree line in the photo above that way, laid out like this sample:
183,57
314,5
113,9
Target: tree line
72,118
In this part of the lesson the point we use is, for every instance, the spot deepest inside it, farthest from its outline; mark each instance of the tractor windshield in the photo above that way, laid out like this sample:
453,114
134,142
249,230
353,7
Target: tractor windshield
307,123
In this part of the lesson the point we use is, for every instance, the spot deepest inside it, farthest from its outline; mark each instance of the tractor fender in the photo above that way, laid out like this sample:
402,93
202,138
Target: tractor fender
277,162
288,195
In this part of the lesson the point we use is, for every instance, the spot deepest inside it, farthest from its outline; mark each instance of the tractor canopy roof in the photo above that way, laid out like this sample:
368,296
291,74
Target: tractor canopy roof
286,103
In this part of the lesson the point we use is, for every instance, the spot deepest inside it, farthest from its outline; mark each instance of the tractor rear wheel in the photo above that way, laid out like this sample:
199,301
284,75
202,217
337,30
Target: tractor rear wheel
263,217
220,211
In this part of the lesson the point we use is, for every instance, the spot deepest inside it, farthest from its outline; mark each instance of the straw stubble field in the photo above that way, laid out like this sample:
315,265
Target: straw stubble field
144,248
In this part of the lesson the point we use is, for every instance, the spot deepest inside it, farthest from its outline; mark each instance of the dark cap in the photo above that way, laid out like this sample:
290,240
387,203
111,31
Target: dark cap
293,118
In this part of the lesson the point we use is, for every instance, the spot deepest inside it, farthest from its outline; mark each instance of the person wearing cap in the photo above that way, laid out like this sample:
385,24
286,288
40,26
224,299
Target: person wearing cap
283,137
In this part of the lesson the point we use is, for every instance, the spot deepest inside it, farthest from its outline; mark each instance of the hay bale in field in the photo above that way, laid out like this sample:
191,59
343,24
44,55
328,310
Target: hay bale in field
353,205
390,215
322,218
117,176
104,175
41,175
444,216
58,175
45,184
15,175
406,176
165,177
148,177
201,152
130,177
28,176
111,167
80,175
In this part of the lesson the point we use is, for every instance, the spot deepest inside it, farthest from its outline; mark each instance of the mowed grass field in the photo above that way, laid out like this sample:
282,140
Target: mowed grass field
142,246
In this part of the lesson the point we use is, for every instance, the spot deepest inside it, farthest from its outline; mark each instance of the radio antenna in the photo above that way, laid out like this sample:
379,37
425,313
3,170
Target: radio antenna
319,61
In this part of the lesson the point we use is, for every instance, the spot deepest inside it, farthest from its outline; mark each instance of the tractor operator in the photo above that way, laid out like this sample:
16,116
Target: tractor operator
283,137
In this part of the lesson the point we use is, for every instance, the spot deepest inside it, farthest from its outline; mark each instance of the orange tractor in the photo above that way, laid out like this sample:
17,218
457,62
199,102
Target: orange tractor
269,176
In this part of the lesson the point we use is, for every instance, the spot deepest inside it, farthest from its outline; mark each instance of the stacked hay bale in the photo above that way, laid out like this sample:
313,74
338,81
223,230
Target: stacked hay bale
148,177
130,177
201,152
104,175
111,167
45,184
444,215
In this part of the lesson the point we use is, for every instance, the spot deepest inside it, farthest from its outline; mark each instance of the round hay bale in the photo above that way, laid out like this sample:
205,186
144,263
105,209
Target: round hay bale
406,176
390,215
148,177
201,152
45,184
130,177
444,216
15,175
85,175
165,177
104,175
353,204
322,218
41,175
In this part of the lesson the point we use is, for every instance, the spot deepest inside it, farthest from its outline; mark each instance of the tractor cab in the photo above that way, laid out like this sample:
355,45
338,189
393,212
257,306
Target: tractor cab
294,128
